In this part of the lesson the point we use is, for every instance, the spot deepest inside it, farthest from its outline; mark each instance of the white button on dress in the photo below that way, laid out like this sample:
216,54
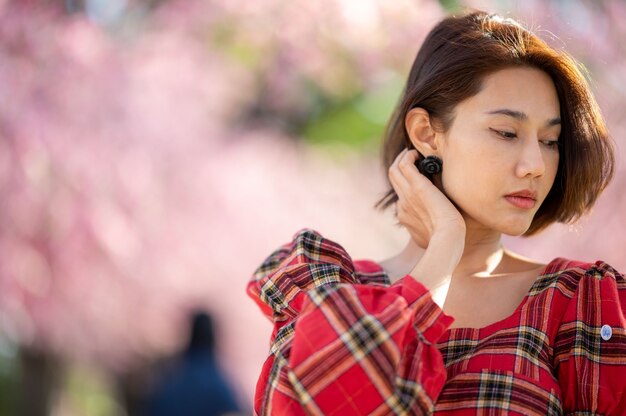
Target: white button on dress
606,332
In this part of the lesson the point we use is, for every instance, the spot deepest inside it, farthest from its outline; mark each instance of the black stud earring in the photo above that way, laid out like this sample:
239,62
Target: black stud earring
431,165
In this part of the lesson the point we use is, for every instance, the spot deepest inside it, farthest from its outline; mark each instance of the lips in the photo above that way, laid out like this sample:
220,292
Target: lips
525,193
521,202
524,199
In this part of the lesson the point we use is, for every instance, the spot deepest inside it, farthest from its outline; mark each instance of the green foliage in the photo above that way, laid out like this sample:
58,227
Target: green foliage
89,392
9,376
224,38
451,5
357,122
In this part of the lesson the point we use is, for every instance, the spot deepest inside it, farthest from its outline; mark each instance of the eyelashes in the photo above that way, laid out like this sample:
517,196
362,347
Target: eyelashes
505,134
552,144
508,135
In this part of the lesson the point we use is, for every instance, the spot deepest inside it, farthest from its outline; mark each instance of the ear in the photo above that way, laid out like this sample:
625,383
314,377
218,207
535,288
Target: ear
421,132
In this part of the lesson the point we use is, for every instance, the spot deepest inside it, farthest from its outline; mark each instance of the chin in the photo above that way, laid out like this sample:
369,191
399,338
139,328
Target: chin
515,234
513,225
515,230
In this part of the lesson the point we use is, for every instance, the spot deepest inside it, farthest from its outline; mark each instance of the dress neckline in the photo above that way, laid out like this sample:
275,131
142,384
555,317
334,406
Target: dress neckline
450,333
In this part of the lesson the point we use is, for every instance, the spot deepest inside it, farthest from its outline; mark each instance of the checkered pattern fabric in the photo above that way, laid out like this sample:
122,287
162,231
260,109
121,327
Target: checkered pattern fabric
346,342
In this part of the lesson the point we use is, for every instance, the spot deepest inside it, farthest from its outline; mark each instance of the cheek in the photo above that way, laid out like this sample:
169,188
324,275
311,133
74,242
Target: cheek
472,167
471,176
554,165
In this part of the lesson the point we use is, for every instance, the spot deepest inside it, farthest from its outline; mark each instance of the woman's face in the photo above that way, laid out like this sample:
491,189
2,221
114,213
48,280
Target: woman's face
502,141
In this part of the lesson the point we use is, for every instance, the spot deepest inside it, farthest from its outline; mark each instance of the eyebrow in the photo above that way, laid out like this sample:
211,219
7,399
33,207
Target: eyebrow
521,116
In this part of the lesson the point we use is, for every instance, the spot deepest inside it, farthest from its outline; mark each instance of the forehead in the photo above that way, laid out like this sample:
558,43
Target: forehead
524,89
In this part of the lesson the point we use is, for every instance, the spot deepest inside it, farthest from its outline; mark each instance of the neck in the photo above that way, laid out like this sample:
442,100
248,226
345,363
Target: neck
482,254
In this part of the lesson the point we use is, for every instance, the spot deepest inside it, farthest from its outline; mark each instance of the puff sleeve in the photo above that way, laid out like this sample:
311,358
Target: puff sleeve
341,347
590,345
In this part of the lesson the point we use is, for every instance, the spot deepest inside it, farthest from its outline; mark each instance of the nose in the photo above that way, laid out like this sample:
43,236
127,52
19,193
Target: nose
531,160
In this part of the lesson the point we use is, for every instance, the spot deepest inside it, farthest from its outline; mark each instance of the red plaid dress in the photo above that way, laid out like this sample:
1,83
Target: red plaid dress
345,342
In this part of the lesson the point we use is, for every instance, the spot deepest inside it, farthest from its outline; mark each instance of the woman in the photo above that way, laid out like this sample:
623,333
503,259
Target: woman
496,133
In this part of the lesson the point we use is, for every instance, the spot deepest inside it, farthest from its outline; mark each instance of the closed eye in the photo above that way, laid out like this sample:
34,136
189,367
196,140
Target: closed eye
504,133
552,143
508,135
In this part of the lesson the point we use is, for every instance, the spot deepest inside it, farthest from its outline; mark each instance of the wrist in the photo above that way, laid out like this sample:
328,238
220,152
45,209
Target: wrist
453,237
440,259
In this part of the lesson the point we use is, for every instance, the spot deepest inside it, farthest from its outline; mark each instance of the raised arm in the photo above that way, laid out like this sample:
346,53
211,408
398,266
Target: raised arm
341,347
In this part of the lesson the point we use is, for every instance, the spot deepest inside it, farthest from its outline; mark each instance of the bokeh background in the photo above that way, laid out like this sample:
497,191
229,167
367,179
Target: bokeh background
154,152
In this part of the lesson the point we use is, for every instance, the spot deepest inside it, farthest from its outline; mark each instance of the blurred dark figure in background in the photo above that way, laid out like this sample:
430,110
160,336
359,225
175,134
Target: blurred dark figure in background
194,385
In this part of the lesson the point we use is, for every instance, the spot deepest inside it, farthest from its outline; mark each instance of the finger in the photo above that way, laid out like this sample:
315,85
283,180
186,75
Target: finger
399,157
397,179
406,165
398,182
396,161
411,173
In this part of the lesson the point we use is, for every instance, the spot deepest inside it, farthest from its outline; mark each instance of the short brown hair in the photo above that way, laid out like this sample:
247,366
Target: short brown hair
449,68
